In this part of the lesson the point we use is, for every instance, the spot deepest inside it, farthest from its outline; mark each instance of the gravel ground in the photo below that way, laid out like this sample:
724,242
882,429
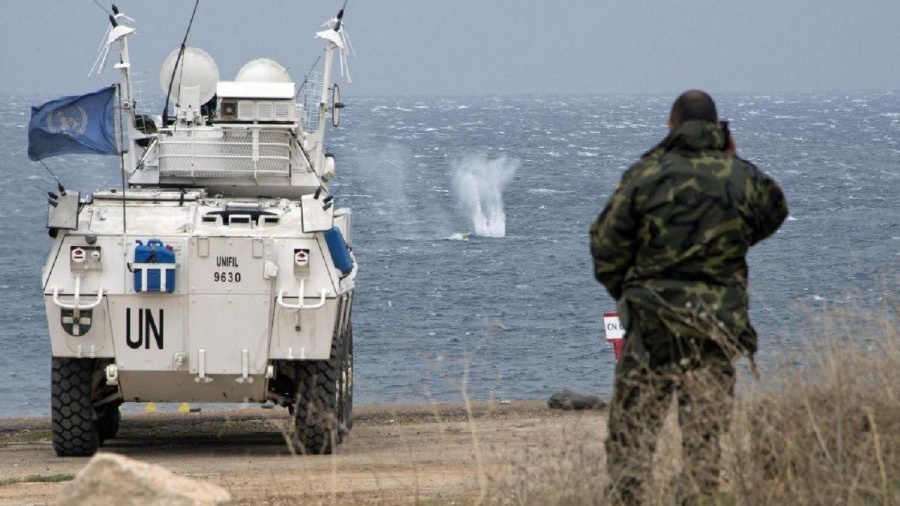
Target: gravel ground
395,454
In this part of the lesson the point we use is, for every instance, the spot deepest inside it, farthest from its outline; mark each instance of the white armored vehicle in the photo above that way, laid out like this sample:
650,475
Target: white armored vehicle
221,271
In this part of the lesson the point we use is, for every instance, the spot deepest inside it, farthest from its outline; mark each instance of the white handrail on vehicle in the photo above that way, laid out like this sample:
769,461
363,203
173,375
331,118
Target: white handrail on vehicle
75,304
300,297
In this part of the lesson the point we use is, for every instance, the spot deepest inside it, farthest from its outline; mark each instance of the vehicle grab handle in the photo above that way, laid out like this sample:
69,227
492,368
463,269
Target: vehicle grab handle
76,304
300,297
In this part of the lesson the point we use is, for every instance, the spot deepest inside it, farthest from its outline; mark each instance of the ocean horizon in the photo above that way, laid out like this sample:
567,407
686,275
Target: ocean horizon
502,294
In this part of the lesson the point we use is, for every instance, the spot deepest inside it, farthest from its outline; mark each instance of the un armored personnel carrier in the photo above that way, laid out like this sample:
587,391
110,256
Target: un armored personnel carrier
221,270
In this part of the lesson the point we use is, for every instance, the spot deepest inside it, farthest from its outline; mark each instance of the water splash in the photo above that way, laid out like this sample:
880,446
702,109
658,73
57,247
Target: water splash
479,185
459,236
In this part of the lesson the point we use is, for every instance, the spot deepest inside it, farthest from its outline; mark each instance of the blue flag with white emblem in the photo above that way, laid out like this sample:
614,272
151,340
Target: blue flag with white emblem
78,124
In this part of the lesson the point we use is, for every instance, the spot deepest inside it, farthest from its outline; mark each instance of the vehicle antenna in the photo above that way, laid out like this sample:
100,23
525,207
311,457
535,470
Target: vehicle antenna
58,184
165,114
52,198
101,6
306,77
312,168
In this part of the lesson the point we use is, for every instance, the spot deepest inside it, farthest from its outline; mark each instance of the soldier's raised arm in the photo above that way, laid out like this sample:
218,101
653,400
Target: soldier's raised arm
769,206
613,237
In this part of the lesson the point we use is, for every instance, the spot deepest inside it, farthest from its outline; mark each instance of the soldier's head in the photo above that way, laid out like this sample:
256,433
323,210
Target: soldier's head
693,105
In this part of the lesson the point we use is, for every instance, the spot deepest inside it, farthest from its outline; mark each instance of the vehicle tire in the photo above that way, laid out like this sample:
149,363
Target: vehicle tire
345,393
108,422
315,410
75,431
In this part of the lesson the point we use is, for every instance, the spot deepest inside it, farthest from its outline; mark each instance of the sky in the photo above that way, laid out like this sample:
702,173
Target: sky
482,47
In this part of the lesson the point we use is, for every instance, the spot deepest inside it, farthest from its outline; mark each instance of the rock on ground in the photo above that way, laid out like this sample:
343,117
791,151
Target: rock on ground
110,479
568,400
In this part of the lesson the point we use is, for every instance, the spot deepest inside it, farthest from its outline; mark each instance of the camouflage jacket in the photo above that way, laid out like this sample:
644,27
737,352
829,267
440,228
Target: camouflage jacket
674,235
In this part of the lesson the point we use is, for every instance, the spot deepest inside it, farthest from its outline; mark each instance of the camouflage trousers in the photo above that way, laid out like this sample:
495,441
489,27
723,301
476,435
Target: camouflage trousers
654,367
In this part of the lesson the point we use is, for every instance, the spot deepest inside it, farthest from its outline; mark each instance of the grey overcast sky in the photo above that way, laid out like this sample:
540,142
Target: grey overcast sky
466,47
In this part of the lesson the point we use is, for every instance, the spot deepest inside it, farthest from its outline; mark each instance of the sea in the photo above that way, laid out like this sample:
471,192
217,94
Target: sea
471,219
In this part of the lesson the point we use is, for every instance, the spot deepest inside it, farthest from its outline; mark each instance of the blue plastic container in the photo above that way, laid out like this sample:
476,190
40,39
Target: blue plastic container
154,252
340,253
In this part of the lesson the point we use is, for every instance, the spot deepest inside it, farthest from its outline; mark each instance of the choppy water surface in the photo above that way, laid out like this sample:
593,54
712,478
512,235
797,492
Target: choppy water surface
519,312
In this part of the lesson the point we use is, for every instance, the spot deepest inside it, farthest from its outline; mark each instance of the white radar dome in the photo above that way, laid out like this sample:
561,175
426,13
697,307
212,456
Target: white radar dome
263,70
196,69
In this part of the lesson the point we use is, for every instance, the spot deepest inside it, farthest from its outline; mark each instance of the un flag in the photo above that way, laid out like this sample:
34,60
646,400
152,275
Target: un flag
78,124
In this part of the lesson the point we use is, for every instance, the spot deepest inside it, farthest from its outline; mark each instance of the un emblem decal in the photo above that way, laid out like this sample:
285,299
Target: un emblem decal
76,322
70,120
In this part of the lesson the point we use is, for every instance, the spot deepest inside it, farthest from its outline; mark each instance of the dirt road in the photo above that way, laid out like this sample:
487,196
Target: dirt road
394,455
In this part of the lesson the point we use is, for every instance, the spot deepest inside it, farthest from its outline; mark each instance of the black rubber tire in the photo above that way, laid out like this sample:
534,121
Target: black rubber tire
345,392
108,423
75,430
316,425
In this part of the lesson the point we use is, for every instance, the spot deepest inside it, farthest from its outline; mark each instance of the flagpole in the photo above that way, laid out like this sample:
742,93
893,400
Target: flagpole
120,141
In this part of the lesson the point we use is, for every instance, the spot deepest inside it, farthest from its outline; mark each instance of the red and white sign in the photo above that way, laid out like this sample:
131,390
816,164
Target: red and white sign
615,332
614,328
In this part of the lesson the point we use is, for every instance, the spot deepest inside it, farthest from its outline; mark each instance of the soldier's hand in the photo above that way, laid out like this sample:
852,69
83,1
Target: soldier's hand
730,147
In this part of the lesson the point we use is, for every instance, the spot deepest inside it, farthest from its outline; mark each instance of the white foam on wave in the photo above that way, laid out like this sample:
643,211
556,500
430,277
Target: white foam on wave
480,183
546,191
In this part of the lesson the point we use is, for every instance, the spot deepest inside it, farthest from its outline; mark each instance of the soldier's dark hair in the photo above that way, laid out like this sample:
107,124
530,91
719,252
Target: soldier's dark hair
693,105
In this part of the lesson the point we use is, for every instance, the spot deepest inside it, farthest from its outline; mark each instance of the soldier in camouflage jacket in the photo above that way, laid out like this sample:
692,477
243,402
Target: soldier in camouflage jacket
670,247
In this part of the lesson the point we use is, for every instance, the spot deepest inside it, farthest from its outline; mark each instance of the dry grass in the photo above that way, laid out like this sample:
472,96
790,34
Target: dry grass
827,433
823,428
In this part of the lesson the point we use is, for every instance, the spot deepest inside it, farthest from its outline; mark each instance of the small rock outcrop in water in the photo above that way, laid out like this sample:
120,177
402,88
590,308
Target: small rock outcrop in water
116,480
567,399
